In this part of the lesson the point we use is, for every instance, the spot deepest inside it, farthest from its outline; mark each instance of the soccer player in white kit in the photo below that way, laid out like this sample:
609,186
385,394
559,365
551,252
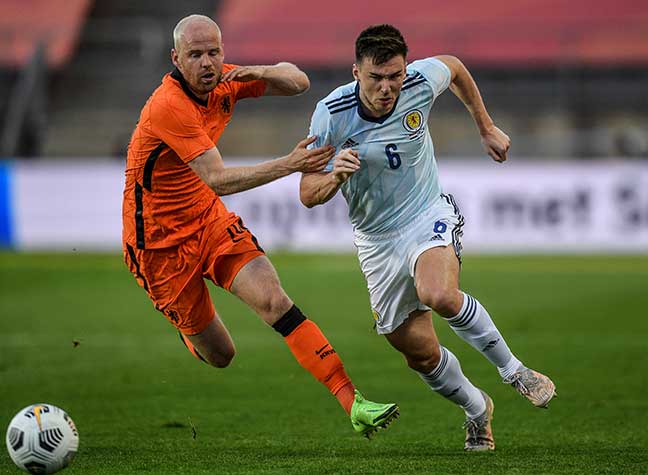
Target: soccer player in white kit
407,231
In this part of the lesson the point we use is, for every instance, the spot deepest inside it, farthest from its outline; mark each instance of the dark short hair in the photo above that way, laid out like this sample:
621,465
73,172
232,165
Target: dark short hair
380,43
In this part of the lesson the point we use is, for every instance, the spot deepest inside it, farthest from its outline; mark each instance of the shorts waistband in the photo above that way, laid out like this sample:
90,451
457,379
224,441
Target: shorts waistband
389,235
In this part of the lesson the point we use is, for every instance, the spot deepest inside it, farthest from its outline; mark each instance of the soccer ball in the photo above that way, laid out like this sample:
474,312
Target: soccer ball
42,438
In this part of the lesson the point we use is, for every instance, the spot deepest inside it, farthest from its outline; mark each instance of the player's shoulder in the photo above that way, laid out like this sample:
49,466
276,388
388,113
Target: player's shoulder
340,99
170,91
170,98
424,63
237,89
224,87
425,67
431,74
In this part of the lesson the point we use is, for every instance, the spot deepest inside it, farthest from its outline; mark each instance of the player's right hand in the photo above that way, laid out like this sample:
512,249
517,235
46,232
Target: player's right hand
314,160
345,164
496,143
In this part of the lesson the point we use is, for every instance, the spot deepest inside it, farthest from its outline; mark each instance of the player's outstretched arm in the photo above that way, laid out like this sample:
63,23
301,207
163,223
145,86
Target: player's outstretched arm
318,188
495,142
282,79
228,180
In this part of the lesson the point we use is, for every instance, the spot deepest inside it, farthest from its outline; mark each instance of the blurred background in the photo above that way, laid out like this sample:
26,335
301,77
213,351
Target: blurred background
567,80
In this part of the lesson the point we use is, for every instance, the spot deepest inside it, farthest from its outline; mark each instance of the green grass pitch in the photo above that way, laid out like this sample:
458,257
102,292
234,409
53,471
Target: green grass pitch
135,393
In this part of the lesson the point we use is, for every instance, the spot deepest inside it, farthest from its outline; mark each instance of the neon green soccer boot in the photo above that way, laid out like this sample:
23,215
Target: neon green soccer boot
367,417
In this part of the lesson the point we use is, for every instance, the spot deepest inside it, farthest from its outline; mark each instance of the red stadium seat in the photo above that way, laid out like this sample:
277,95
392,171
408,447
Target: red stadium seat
502,33
25,23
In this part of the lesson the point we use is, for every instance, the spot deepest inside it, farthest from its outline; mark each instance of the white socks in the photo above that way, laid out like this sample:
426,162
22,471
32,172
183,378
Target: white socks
475,326
448,380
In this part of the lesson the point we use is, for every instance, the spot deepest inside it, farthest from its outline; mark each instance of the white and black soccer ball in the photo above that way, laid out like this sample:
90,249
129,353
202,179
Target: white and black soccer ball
42,438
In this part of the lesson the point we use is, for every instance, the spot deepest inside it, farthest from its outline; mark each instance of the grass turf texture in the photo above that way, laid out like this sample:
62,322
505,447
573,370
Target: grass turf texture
135,392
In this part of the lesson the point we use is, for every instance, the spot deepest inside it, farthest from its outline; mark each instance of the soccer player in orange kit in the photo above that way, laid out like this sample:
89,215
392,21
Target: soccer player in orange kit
177,231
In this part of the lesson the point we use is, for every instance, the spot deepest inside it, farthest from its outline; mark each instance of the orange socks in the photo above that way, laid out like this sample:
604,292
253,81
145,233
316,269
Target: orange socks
346,396
313,351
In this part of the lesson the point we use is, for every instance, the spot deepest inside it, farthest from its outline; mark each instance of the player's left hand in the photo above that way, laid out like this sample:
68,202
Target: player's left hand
244,73
496,143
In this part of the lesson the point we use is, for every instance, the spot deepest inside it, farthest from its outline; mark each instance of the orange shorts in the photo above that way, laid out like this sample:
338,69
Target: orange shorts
174,277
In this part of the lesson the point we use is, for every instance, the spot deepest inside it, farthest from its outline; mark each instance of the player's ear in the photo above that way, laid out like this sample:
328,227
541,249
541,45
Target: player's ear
356,72
174,57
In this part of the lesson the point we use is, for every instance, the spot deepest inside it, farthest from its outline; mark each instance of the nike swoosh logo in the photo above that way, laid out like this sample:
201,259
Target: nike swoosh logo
317,352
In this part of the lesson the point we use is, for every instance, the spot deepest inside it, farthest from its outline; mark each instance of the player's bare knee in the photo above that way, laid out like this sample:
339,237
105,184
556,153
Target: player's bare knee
275,305
428,294
219,354
442,300
425,362
223,363
221,359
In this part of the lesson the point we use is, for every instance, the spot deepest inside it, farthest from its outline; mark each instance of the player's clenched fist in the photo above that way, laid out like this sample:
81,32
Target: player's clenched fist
496,143
305,160
345,164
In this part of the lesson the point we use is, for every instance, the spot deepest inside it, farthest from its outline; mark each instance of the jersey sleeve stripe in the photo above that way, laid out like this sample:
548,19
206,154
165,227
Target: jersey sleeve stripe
338,99
412,78
350,106
414,83
150,163
348,101
139,216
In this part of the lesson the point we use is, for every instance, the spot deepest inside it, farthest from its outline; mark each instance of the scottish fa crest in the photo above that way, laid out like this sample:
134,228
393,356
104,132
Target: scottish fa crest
413,121
376,315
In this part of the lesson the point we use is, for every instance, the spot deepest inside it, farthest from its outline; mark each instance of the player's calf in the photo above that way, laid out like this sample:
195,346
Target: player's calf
190,347
474,325
315,354
217,359
312,349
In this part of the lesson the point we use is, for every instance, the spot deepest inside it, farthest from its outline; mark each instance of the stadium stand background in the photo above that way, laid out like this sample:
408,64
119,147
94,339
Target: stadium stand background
564,78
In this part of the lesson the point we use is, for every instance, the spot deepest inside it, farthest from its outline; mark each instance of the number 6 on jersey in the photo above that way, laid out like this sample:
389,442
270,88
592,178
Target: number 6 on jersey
392,157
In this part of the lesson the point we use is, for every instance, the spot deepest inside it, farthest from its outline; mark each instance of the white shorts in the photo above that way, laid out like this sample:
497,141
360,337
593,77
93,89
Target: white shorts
388,260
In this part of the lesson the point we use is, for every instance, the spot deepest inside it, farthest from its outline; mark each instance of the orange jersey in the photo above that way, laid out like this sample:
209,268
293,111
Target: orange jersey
164,200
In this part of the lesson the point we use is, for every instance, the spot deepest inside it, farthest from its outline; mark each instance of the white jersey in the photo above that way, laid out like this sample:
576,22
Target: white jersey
398,176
